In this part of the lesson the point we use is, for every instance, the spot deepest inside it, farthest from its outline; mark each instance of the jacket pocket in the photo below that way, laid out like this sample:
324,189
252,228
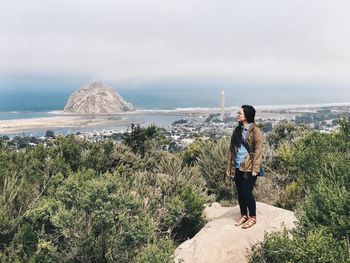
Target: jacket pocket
247,163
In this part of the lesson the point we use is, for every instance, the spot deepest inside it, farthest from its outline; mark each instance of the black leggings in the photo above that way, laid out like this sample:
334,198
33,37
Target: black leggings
245,183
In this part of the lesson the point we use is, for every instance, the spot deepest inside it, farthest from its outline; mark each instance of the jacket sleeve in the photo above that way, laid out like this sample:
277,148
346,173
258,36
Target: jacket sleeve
257,156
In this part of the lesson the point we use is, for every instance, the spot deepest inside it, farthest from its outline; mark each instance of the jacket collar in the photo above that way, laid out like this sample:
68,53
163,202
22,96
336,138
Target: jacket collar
251,126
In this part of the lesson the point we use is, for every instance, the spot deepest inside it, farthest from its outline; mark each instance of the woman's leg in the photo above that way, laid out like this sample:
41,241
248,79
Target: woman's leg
240,185
249,183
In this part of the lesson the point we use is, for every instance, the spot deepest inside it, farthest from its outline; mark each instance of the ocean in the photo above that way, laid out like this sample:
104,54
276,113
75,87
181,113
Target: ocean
23,102
28,103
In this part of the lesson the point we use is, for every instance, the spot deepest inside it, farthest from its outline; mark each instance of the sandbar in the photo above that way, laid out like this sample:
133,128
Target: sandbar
69,121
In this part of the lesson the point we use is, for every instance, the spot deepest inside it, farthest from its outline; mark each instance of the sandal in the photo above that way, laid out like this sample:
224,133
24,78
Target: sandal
242,220
251,222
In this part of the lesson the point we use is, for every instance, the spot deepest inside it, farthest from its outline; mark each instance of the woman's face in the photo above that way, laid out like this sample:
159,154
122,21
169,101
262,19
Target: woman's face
240,116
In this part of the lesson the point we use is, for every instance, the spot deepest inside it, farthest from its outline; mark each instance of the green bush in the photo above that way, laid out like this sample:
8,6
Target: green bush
283,132
301,164
317,246
175,194
292,193
191,154
328,206
107,204
160,252
317,179
212,163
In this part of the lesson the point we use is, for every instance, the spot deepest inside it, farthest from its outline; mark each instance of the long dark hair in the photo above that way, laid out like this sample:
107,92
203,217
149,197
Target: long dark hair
236,138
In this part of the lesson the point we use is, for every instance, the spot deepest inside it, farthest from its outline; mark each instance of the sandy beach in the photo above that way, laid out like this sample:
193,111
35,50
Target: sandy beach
62,119
69,121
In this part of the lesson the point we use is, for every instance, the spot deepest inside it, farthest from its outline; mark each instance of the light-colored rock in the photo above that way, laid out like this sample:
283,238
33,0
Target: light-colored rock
215,210
220,241
96,98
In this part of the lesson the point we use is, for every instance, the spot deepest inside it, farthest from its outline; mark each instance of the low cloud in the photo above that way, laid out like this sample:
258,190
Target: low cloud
272,40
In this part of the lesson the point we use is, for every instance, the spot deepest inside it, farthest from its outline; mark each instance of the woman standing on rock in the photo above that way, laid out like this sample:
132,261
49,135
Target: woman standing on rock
244,159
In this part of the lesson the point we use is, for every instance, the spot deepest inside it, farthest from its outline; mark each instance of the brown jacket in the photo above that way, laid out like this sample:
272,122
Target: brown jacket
252,160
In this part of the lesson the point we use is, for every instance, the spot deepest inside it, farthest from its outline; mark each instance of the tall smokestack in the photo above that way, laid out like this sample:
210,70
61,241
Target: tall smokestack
222,105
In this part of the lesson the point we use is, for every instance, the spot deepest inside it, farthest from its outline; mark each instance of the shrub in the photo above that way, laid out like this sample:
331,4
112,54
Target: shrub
328,206
320,184
212,163
175,195
292,193
159,252
317,246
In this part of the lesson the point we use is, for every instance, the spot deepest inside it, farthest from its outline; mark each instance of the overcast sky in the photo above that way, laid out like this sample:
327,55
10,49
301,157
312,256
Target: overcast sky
274,41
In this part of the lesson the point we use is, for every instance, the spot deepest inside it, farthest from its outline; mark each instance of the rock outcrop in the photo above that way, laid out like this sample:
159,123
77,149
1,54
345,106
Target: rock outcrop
220,241
96,99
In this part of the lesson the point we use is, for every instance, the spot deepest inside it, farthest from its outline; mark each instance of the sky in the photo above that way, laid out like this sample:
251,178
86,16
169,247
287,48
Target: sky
132,42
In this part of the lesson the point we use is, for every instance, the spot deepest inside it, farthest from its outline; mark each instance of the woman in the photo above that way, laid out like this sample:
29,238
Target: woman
244,159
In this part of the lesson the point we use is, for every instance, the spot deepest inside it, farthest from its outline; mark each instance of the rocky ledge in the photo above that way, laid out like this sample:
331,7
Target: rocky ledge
220,241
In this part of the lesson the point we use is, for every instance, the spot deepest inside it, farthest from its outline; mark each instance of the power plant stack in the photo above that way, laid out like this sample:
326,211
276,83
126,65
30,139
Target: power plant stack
222,105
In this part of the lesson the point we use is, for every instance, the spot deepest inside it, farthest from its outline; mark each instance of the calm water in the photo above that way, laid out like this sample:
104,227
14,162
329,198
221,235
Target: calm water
37,101
23,115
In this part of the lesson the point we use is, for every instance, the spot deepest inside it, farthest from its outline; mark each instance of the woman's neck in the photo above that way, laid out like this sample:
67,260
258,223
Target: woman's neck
245,124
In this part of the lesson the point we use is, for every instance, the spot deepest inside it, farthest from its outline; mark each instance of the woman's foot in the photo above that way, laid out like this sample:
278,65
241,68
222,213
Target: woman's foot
249,223
242,220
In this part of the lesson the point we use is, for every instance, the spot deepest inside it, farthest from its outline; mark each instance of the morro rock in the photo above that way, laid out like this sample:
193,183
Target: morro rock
96,98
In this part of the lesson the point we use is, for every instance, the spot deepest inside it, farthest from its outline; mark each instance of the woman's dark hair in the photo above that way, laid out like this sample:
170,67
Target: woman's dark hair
249,113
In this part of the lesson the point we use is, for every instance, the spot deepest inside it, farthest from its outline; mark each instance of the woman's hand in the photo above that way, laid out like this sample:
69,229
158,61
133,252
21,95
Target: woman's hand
228,173
254,173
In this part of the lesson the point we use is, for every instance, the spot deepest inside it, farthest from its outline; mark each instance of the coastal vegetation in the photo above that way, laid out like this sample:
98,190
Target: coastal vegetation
75,201
314,172
70,200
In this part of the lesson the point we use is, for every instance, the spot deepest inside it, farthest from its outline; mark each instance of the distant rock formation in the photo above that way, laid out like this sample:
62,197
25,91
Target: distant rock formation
220,241
96,98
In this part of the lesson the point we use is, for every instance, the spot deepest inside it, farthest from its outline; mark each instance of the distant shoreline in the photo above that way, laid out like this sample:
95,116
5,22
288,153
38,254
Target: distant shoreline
213,109
61,119
194,109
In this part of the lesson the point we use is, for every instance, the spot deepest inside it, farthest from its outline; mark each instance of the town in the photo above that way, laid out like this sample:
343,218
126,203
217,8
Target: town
181,133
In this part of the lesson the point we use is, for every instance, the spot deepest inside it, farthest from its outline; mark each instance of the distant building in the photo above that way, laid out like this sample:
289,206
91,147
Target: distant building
222,105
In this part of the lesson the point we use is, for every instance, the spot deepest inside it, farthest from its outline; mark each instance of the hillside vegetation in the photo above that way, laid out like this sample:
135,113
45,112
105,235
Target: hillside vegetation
75,201
313,170
67,200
